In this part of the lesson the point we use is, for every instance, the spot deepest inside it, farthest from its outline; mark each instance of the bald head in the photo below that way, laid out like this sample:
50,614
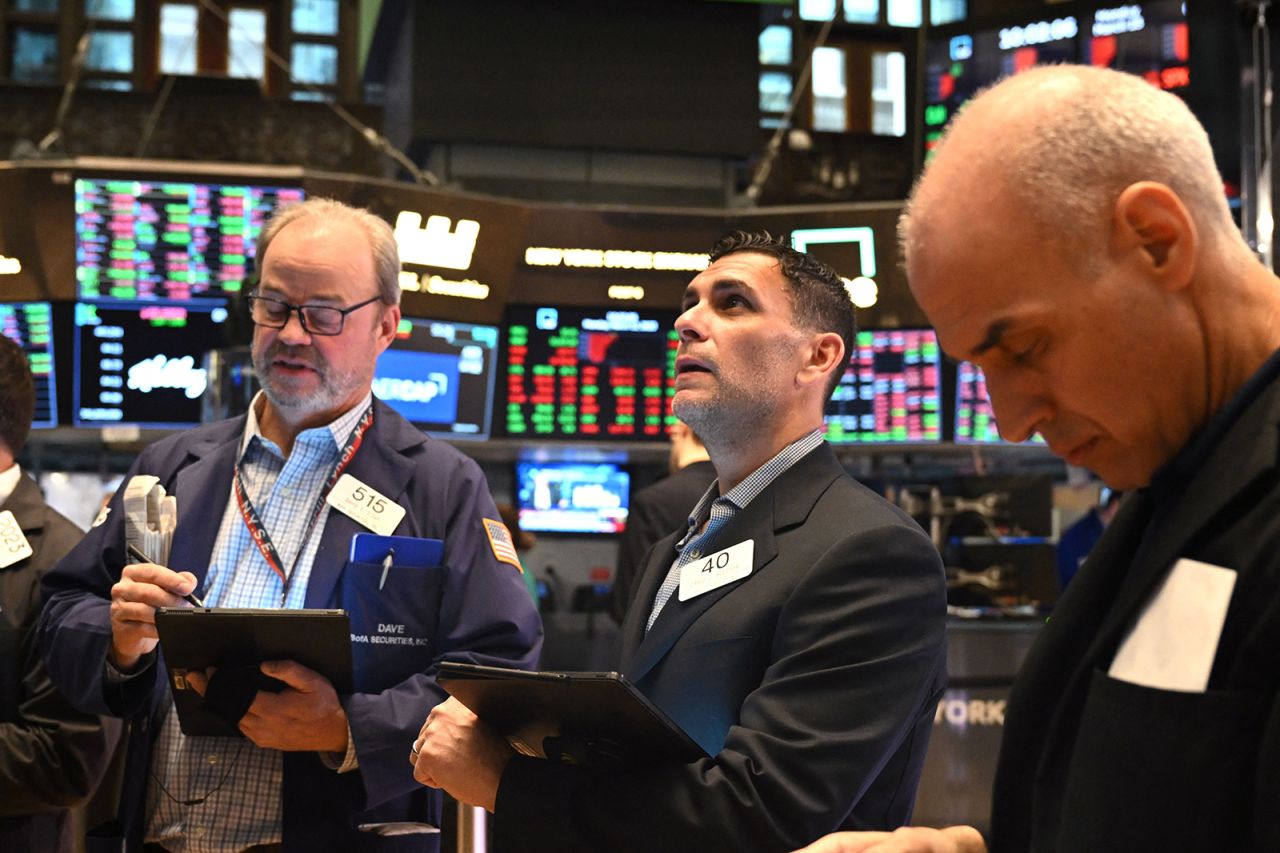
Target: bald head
1061,143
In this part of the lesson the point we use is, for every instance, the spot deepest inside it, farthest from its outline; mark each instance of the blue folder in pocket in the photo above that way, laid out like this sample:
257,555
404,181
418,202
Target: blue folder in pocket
409,550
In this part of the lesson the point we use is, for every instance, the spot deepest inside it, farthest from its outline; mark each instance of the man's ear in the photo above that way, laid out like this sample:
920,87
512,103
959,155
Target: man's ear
826,353
388,325
1151,221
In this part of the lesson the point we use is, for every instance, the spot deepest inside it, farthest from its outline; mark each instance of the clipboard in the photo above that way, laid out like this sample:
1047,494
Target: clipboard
198,638
586,718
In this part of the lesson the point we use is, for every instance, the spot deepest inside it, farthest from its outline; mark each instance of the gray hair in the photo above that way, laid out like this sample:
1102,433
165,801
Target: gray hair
1088,134
382,239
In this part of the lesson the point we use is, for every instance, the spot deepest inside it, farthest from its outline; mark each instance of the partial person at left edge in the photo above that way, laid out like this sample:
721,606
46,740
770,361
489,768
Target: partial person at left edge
266,516
52,756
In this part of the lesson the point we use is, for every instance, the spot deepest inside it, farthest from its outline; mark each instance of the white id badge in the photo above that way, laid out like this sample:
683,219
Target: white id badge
715,570
14,547
366,505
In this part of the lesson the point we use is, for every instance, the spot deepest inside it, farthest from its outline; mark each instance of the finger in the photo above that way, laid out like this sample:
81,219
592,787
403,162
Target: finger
294,674
175,583
197,681
132,614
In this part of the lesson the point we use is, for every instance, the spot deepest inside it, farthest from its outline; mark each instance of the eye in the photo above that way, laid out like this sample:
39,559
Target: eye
1027,352
735,300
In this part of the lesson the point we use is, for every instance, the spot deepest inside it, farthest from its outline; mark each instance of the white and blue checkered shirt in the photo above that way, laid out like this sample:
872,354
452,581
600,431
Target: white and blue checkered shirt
245,809
716,513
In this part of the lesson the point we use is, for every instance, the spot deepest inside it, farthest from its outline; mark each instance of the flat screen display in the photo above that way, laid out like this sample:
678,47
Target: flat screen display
142,364
890,392
145,239
572,497
440,376
1148,39
597,374
30,326
975,418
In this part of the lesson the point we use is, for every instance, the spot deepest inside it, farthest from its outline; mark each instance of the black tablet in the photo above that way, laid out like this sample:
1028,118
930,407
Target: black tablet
240,639
595,718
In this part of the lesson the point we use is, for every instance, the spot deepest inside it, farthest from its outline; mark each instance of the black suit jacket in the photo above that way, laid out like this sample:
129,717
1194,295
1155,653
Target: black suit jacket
1092,763
51,755
812,682
656,511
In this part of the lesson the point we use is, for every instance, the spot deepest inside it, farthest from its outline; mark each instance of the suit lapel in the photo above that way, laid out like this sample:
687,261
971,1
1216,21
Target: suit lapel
786,502
380,464
202,489
661,556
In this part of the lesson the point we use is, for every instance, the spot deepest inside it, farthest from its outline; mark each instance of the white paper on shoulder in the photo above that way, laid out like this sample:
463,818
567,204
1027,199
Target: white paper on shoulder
1173,643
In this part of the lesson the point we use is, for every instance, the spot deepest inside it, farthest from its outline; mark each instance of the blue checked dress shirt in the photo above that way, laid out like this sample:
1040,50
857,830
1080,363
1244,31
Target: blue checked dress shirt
717,512
245,809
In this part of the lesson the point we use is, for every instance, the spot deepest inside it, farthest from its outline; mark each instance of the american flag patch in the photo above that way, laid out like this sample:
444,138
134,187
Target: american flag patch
500,540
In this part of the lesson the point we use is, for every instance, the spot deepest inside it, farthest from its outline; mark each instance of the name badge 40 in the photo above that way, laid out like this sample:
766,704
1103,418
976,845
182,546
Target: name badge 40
715,570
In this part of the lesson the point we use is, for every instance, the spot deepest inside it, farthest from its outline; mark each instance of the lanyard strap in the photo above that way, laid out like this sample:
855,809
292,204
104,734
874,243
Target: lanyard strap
258,530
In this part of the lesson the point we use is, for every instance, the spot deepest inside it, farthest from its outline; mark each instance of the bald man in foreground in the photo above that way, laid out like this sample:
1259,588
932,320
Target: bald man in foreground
1071,237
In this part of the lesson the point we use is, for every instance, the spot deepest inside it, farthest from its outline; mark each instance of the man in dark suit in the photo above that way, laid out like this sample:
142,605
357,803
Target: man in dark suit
794,628
1071,236
659,509
51,755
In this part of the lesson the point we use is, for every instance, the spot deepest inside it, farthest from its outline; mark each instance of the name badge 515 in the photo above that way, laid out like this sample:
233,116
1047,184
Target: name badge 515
365,505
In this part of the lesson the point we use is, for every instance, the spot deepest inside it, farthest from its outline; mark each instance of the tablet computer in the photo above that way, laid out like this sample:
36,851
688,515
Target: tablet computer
593,718
197,638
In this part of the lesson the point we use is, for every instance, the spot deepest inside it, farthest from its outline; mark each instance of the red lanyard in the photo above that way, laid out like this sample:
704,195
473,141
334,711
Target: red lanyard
258,531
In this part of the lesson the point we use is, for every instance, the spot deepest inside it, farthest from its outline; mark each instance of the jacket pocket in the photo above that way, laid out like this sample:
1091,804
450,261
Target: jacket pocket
393,622
1161,770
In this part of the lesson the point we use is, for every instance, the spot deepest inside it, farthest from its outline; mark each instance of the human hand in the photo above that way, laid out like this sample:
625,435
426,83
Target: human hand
305,716
142,589
907,839
459,753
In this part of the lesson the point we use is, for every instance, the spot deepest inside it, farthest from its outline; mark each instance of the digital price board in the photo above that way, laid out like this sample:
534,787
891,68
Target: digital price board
975,418
143,364
168,240
30,326
891,390
439,376
598,374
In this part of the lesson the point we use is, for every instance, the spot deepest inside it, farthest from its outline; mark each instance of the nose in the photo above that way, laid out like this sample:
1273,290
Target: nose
292,333
1021,403
689,324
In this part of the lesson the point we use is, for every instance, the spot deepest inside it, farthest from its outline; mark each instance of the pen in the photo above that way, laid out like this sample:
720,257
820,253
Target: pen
386,566
143,558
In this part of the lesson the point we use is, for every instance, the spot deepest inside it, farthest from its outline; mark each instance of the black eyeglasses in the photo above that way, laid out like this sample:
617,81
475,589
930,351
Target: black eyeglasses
315,319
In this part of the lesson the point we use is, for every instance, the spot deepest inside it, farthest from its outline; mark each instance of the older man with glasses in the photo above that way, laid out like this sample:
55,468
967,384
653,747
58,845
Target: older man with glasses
263,523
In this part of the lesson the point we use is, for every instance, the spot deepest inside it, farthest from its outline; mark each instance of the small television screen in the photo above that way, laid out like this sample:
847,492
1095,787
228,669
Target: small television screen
597,374
572,497
960,62
152,238
440,376
142,364
890,392
975,419
30,326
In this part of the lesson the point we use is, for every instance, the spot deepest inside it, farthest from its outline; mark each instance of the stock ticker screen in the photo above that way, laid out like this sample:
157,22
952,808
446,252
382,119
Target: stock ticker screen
30,326
1148,39
439,375
168,240
143,364
597,374
890,392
